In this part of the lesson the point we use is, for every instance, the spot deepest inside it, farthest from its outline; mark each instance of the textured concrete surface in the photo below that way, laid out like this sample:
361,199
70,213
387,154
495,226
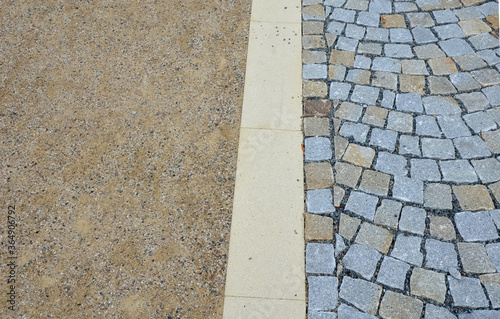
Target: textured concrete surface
119,127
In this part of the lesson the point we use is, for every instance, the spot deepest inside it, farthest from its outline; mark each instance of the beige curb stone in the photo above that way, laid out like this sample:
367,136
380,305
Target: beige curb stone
266,271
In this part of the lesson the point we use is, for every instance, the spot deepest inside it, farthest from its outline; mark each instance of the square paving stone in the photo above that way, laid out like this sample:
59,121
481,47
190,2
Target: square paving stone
362,62
428,51
449,31
357,131
359,155
404,7
312,27
314,89
375,183
347,174
354,31
440,255
375,116
423,35
410,145
493,251
442,227
438,148
349,111
339,91
435,312
316,126
407,248
314,71
370,19
377,34
489,56
425,170
346,44
374,237
442,66
314,12
474,101
318,227
357,5
480,314
464,82
399,121
492,94
319,201
383,138
487,169
388,98
310,57
336,72
408,189
458,171
391,306
342,58
362,204
380,6
426,125
473,197
475,259
492,140
343,15
340,145
362,294
416,67
320,258
438,196
400,35
385,80
393,21
335,27
370,48
321,315
436,105
347,312
469,62
317,149
391,164
474,26
420,19
468,13
318,175
428,284
484,41
323,292
413,220
393,272
445,16
386,65
486,77
362,260
317,107
471,147
313,42
478,226
398,50
365,94
411,83
455,47
387,213
440,85
348,226
358,76
453,126
492,284
411,102
467,292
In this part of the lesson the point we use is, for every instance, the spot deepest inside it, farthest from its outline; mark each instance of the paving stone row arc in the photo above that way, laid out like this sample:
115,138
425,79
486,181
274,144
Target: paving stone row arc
402,158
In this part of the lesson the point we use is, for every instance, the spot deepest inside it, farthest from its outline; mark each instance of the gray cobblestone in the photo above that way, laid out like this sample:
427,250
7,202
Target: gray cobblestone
349,111
370,48
346,44
464,82
369,19
354,31
468,13
374,237
428,284
336,72
386,80
449,31
426,125
358,76
357,5
453,126
323,293
347,174
436,105
386,64
383,138
347,312
440,255
391,164
343,15
413,220
423,35
399,121
319,201
438,148
492,94
455,47
420,19
380,6
339,91
475,259
314,71
388,98
469,62
320,258
335,27
416,67
393,272
398,50
407,248
388,213
480,314
458,171
487,169
411,102
489,56
410,145
484,41
438,196
362,62
445,16
493,251
474,101
408,189
404,7
362,260
362,294
317,149
435,312
471,147
362,204
348,226
390,307
400,35
365,94
425,170
477,226
428,51
357,131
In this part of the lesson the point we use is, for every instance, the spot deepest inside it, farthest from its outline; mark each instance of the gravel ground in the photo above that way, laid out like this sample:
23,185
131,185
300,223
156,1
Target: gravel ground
119,127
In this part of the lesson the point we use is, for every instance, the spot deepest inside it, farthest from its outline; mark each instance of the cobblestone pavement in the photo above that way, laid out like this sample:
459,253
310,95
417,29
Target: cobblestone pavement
402,165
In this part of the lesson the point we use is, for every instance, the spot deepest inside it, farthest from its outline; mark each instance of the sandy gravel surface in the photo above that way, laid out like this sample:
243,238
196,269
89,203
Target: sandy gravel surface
119,127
